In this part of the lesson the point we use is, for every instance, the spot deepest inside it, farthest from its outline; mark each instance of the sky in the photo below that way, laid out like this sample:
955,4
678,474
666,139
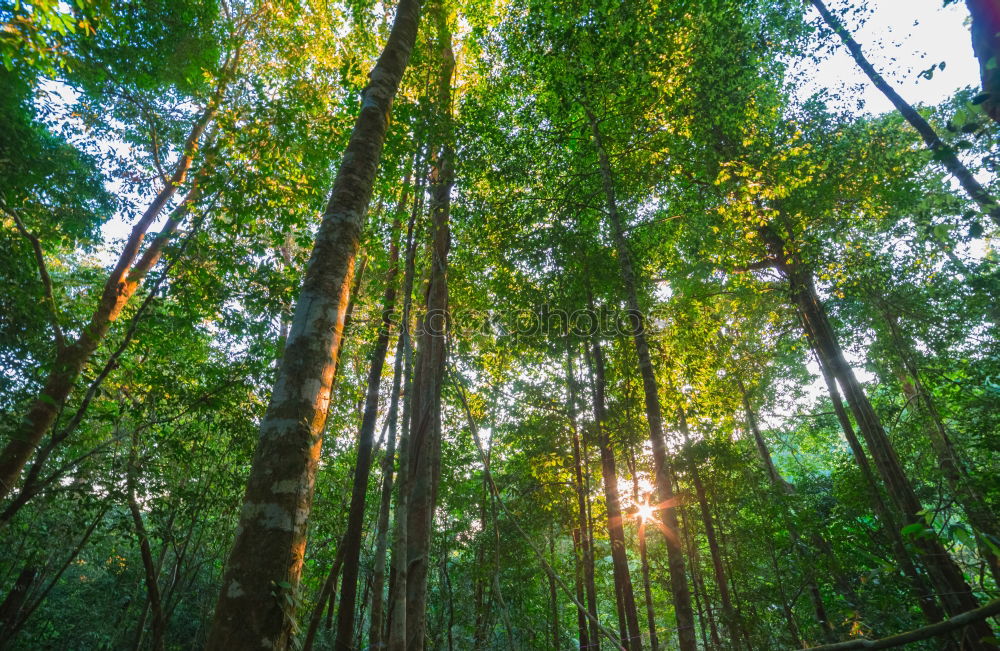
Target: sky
902,38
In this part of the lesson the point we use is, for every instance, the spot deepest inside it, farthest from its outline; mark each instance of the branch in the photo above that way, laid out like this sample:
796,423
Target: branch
43,271
766,263
958,621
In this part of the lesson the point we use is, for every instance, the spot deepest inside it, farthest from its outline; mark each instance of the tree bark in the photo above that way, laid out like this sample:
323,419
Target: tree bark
654,415
258,596
942,152
395,630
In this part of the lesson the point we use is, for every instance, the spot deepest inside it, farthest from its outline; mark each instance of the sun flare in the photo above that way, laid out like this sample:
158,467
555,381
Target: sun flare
645,512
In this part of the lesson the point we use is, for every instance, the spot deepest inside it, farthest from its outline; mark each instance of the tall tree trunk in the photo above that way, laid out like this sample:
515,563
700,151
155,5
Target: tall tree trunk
257,601
986,46
949,460
942,152
362,468
654,415
945,574
632,638
705,620
583,632
425,425
10,609
376,628
327,594
582,490
553,596
395,625
123,281
647,589
150,567
728,612
782,491
890,527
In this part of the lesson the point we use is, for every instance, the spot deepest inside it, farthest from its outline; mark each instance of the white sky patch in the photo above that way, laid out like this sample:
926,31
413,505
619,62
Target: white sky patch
901,38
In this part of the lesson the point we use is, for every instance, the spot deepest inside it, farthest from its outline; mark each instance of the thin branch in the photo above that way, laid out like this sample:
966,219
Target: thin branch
958,621
43,271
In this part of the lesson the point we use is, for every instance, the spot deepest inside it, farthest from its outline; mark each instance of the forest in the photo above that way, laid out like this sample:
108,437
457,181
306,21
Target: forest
497,324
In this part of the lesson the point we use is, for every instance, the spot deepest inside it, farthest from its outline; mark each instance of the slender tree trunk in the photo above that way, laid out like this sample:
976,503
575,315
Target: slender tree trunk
945,574
644,560
632,635
986,45
376,632
10,609
706,622
553,596
8,632
782,491
942,152
395,628
425,426
728,612
123,281
327,594
362,468
150,568
949,461
654,415
586,541
266,558
581,618
918,585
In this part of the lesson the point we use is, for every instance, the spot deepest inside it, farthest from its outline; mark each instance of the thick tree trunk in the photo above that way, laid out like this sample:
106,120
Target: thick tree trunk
945,574
728,612
258,596
632,635
121,284
582,490
661,463
942,152
425,425
362,468
986,46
